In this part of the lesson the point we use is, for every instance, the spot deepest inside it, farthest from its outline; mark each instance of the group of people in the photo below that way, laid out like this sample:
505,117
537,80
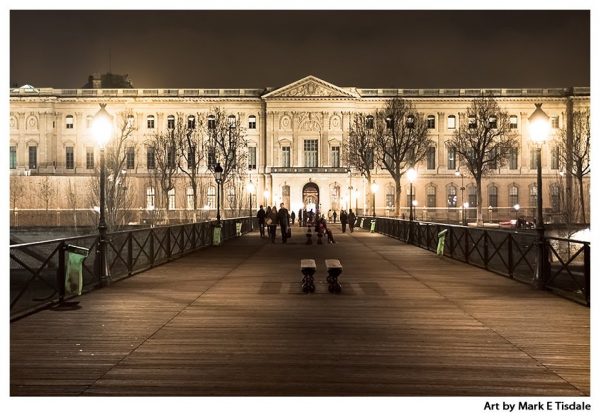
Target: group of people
270,218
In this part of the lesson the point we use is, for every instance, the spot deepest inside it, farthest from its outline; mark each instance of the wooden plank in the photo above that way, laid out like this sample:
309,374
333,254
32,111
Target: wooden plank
232,320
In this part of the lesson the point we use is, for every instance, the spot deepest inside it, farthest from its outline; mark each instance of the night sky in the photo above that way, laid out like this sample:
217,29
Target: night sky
255,49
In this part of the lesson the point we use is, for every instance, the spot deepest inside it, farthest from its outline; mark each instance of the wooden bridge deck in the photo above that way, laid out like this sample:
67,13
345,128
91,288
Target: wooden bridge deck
233,321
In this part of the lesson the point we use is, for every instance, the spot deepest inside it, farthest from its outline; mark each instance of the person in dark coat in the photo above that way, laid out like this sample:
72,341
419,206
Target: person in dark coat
261,215
283,218
351,220
343,220
293,217
334,216
272,223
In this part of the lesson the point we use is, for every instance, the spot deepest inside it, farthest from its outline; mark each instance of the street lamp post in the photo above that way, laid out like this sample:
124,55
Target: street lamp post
411,174
266,194
218,171
102,129
517,207
539,128
374,189
462,194
250,188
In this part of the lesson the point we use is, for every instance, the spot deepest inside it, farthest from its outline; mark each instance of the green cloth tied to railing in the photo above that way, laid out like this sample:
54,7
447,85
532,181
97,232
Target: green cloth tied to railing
441,242
74,272
238,229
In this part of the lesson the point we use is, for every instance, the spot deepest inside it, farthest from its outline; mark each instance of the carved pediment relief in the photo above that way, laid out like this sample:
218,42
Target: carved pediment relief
310,87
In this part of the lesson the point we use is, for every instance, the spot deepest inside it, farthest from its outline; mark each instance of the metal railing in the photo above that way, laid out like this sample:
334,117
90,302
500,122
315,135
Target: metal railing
509,253
37,270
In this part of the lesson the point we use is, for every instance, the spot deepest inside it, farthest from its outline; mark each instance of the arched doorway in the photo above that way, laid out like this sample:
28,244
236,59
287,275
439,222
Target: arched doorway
310,196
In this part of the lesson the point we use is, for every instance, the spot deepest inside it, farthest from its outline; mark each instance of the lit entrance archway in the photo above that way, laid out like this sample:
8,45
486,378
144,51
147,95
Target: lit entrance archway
310,197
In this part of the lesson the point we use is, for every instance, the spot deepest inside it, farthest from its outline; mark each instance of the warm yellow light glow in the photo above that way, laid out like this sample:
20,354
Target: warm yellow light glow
374,187
539,125
250,187
266,194
411,174
102,127
517,207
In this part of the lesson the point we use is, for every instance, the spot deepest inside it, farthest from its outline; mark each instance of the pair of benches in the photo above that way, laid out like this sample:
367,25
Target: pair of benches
308,267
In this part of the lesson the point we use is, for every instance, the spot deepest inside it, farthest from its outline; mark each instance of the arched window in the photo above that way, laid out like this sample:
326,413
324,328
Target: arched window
231,121
472,196
472,122
211,196
410,121
130,121
431,122
252,122
212,123
390,195
150,196
493,122
150,122
431,196
171,122
452,122
389,122
493,196
513,195
533,195
191,123
171,195
555,197
369,122
452,198
189,196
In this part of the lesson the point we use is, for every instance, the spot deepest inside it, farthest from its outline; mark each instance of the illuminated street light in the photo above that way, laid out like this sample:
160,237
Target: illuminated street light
102,130
374,189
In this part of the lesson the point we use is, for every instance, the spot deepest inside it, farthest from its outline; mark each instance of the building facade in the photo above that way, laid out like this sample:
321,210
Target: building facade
296,136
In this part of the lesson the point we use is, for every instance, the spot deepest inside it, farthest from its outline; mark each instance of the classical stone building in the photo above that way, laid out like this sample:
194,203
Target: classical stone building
296,134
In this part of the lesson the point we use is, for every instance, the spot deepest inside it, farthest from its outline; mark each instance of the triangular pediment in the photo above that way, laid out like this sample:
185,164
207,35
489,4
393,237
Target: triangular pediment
311,87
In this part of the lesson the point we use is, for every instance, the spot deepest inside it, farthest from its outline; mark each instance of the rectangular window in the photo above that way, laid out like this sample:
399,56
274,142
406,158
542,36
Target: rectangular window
533,196
472,122
554,158
211,197
452,198
171,158
32,157
69,158
130,158
431,122
285,157
513,158
191,157
190,197
212,122
431,158
171,122
555,122
13,157
451,122
252,158
171,195
335,156
533,159
513,122
310,153
151,158
389,200
555,197
493,159
452,158
493,122
89,158
69,122
252,122
150,122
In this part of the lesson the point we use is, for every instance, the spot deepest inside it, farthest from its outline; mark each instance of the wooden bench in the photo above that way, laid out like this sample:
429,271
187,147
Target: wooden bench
308,267
334,269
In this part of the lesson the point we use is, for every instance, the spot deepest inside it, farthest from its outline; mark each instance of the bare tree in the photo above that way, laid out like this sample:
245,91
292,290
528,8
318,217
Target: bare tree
46,192
226,143
577,154
483,141
401,140
359,150
17,190
119,197
166,155
72,202
191,153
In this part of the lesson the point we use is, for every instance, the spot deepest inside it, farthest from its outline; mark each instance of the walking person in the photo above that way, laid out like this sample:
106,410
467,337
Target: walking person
343,220
272,223
334,216
283,217
293,217
300,217
351,220
261,215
